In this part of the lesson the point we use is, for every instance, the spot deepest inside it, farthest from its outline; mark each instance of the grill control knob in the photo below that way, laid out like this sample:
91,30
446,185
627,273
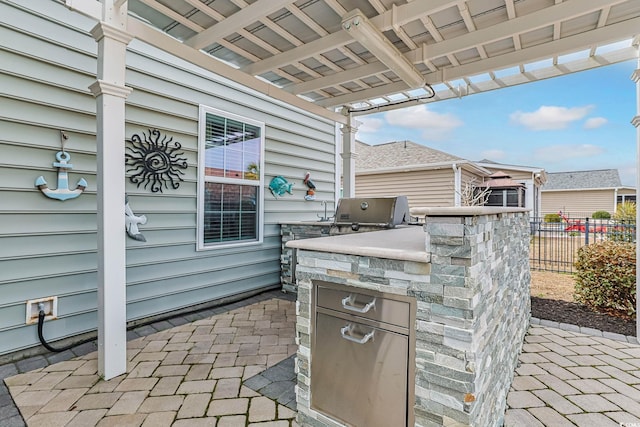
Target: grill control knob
364,206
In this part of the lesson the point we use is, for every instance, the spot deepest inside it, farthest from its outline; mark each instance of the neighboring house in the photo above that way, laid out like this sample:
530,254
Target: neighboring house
581,193
532,177
430,177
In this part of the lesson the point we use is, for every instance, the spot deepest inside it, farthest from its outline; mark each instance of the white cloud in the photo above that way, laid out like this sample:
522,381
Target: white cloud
493,154
560,153
550,117
595,122
369,124
434,126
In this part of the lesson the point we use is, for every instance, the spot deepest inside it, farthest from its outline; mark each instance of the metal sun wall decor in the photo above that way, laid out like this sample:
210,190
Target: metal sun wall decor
155,162
63,192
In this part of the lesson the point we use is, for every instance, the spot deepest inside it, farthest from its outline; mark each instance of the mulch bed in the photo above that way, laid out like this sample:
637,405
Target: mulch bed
577,314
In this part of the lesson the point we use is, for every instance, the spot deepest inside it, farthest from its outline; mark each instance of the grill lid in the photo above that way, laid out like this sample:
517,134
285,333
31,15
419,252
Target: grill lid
386,212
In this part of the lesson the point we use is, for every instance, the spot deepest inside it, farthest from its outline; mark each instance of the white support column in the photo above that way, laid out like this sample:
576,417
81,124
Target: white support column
349,155
457,185
110,92
636,122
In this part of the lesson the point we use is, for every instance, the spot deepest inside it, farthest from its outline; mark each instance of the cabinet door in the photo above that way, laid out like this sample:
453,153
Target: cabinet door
359,373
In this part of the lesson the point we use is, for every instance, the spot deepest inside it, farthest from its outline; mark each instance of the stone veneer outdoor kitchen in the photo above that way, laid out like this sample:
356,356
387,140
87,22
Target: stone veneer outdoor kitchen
468,269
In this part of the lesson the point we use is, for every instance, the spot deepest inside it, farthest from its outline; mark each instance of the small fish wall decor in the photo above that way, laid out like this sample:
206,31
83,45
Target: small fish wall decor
279,185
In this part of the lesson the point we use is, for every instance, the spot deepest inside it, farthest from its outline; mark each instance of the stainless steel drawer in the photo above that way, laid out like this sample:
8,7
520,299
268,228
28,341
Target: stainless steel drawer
368,305
359,373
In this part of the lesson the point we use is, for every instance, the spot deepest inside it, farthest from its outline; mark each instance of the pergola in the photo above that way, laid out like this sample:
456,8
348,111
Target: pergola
338,59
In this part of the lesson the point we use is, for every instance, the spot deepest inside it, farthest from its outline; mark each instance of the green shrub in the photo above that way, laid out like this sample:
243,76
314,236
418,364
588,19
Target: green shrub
606,276
552,217
601,215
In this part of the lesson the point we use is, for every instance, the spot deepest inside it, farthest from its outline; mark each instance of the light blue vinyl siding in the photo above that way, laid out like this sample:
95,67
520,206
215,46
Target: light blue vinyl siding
47,247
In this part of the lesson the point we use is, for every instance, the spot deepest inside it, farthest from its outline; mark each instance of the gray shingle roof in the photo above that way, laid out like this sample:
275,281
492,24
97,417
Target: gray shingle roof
605,178
398,153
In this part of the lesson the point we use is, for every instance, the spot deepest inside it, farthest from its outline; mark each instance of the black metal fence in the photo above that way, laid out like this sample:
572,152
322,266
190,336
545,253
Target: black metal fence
554,245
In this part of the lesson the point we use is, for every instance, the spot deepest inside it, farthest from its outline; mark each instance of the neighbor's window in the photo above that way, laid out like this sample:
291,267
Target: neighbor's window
509,197
230,152
626,198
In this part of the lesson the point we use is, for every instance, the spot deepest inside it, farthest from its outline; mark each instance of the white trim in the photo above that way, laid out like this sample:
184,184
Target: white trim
555,190
349,155
337,164
101,87
110,93
501,166
464,164
203,110
103,29
457,185
636,123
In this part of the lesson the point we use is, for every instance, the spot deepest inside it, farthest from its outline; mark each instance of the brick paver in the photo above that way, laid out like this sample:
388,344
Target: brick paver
550,417
192,375
590,383
188,375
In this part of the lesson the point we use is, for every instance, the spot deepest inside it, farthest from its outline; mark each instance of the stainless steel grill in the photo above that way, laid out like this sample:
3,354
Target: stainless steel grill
377,212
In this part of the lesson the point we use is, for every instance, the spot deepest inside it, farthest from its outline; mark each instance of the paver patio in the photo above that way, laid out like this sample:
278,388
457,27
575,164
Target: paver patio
193,373
187,375
567,378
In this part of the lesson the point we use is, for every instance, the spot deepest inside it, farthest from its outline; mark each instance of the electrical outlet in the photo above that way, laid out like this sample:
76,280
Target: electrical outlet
48,304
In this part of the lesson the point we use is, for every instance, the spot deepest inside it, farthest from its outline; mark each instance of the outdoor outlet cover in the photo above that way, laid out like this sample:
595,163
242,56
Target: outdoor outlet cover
50,305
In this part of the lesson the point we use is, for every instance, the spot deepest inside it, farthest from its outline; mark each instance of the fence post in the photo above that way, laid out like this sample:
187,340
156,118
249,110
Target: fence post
586,231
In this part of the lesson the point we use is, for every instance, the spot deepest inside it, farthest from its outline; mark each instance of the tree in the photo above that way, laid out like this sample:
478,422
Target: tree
473,195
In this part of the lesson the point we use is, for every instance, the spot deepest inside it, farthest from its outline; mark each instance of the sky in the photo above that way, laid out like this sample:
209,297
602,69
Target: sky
580,121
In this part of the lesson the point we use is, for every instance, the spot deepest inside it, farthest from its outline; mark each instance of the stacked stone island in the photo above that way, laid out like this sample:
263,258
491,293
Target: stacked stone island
468,269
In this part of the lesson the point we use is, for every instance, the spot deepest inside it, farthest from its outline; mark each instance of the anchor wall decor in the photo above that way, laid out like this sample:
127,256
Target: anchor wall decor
63,192
154,162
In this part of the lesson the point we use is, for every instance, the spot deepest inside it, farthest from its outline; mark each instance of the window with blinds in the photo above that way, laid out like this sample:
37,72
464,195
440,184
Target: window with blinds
230,181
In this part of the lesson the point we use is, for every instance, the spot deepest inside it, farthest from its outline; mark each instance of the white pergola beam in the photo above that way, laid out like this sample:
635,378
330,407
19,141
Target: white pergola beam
154,37
240,19
426,53
368,35
562,12
316,47
337,78
170,13
610,33
398,16
92,9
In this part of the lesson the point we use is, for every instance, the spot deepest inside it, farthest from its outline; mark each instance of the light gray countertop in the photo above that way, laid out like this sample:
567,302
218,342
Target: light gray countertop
406,243
463,211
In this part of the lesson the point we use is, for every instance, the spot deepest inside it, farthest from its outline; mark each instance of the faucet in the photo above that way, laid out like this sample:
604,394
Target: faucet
325,217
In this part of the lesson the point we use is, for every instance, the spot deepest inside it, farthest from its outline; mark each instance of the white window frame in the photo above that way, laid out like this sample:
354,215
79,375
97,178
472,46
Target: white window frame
201,246
624,198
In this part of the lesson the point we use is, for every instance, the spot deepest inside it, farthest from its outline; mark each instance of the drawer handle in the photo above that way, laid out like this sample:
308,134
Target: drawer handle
348,301
346,330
